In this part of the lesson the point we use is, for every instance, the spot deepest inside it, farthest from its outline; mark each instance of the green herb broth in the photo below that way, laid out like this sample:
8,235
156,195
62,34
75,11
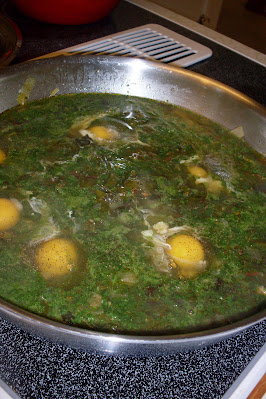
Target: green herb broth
100,196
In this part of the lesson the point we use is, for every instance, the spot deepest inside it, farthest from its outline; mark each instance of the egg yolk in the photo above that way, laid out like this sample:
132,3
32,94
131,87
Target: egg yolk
2,157
9,214
56,258
102,132
186,250
197,171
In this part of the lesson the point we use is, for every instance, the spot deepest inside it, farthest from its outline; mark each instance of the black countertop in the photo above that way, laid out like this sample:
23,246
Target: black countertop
36,368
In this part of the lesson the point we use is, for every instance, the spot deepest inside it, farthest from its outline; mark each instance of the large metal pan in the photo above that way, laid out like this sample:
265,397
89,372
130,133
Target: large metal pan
145,79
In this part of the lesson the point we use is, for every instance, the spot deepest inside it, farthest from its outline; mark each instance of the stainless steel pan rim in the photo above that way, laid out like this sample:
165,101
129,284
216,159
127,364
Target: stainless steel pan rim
144,79
118,344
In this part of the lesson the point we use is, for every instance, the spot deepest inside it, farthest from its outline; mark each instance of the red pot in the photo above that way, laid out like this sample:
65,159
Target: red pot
66,12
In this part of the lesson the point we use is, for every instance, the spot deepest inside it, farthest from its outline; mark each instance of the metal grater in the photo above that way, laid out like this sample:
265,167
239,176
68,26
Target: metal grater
153,42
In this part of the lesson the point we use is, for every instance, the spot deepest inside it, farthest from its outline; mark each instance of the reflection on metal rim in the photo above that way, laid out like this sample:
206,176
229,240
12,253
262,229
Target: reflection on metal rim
145,79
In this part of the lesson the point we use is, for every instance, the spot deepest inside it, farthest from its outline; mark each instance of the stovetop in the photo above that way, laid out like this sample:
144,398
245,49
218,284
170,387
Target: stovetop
225,65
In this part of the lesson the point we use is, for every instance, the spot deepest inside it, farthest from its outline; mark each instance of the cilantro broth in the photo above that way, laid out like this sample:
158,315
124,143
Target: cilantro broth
117,177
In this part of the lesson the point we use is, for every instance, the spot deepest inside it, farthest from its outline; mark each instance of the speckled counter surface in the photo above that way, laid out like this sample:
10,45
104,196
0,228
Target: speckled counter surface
35,368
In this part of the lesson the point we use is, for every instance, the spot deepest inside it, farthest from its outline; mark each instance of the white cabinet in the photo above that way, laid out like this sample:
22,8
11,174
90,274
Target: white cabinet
205,12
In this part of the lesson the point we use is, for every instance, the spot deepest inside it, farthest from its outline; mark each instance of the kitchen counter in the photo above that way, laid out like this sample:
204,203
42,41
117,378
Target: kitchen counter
36,368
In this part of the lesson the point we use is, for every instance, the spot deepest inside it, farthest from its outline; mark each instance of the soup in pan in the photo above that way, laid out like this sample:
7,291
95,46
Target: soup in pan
127,215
